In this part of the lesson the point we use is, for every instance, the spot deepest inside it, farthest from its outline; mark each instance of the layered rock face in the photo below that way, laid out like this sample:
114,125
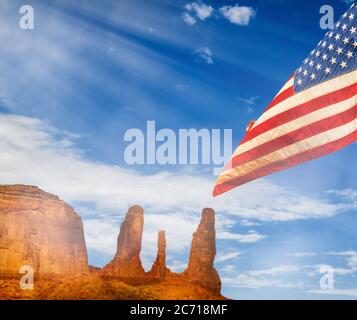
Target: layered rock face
38,229
126,263
200,269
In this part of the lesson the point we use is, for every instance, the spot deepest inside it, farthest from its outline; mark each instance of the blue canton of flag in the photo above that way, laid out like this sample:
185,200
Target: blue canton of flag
334,55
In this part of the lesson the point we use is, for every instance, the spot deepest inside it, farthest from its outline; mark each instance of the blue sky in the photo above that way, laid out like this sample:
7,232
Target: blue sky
90,70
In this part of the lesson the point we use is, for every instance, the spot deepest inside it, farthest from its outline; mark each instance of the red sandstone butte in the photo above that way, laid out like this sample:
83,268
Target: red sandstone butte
200,269
126,264
38,229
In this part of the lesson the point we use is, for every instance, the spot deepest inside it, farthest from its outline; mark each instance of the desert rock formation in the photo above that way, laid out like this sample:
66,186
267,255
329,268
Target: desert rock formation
200,268
159,269
38,229
126,264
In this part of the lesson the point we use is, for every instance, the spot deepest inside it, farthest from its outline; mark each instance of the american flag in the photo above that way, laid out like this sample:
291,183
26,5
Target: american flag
314,114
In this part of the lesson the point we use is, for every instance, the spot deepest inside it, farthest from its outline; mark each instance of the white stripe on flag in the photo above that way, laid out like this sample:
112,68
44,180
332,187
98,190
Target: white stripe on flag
289,151
298,123
308,95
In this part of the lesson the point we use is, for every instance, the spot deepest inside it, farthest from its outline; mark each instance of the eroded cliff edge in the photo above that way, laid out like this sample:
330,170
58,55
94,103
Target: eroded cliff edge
38,229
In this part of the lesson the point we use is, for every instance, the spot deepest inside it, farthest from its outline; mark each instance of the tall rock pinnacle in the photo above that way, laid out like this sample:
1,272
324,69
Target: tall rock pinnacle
40,230
200,268
159,269
126,264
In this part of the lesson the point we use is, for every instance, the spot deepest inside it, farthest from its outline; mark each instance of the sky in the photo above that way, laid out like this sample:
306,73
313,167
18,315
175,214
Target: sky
91,70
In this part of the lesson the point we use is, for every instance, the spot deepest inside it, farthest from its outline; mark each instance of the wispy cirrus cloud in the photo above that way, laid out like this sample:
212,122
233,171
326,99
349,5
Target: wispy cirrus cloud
246,281
250,101
205,54
350,255
251,237
228,256
247,223
305,277
346,193
34,152
303,254
275,271
265,278
336,292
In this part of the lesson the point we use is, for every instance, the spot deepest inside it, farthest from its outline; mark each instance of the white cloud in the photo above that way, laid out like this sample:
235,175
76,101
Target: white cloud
250,101
302,254
179,228
180,86
240,15
341,253
178,266
250,237
201,10
188,19
264,278
33,152
284,276
229,268
275,271
319,269
343,271
101,235
228,256
6,103
351,260
247,281
337,292
47,68
348,194
102,232
247,223
205,54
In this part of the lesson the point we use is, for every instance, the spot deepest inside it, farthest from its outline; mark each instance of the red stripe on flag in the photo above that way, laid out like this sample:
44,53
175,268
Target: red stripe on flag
287,163
301,110
286,94
295,136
